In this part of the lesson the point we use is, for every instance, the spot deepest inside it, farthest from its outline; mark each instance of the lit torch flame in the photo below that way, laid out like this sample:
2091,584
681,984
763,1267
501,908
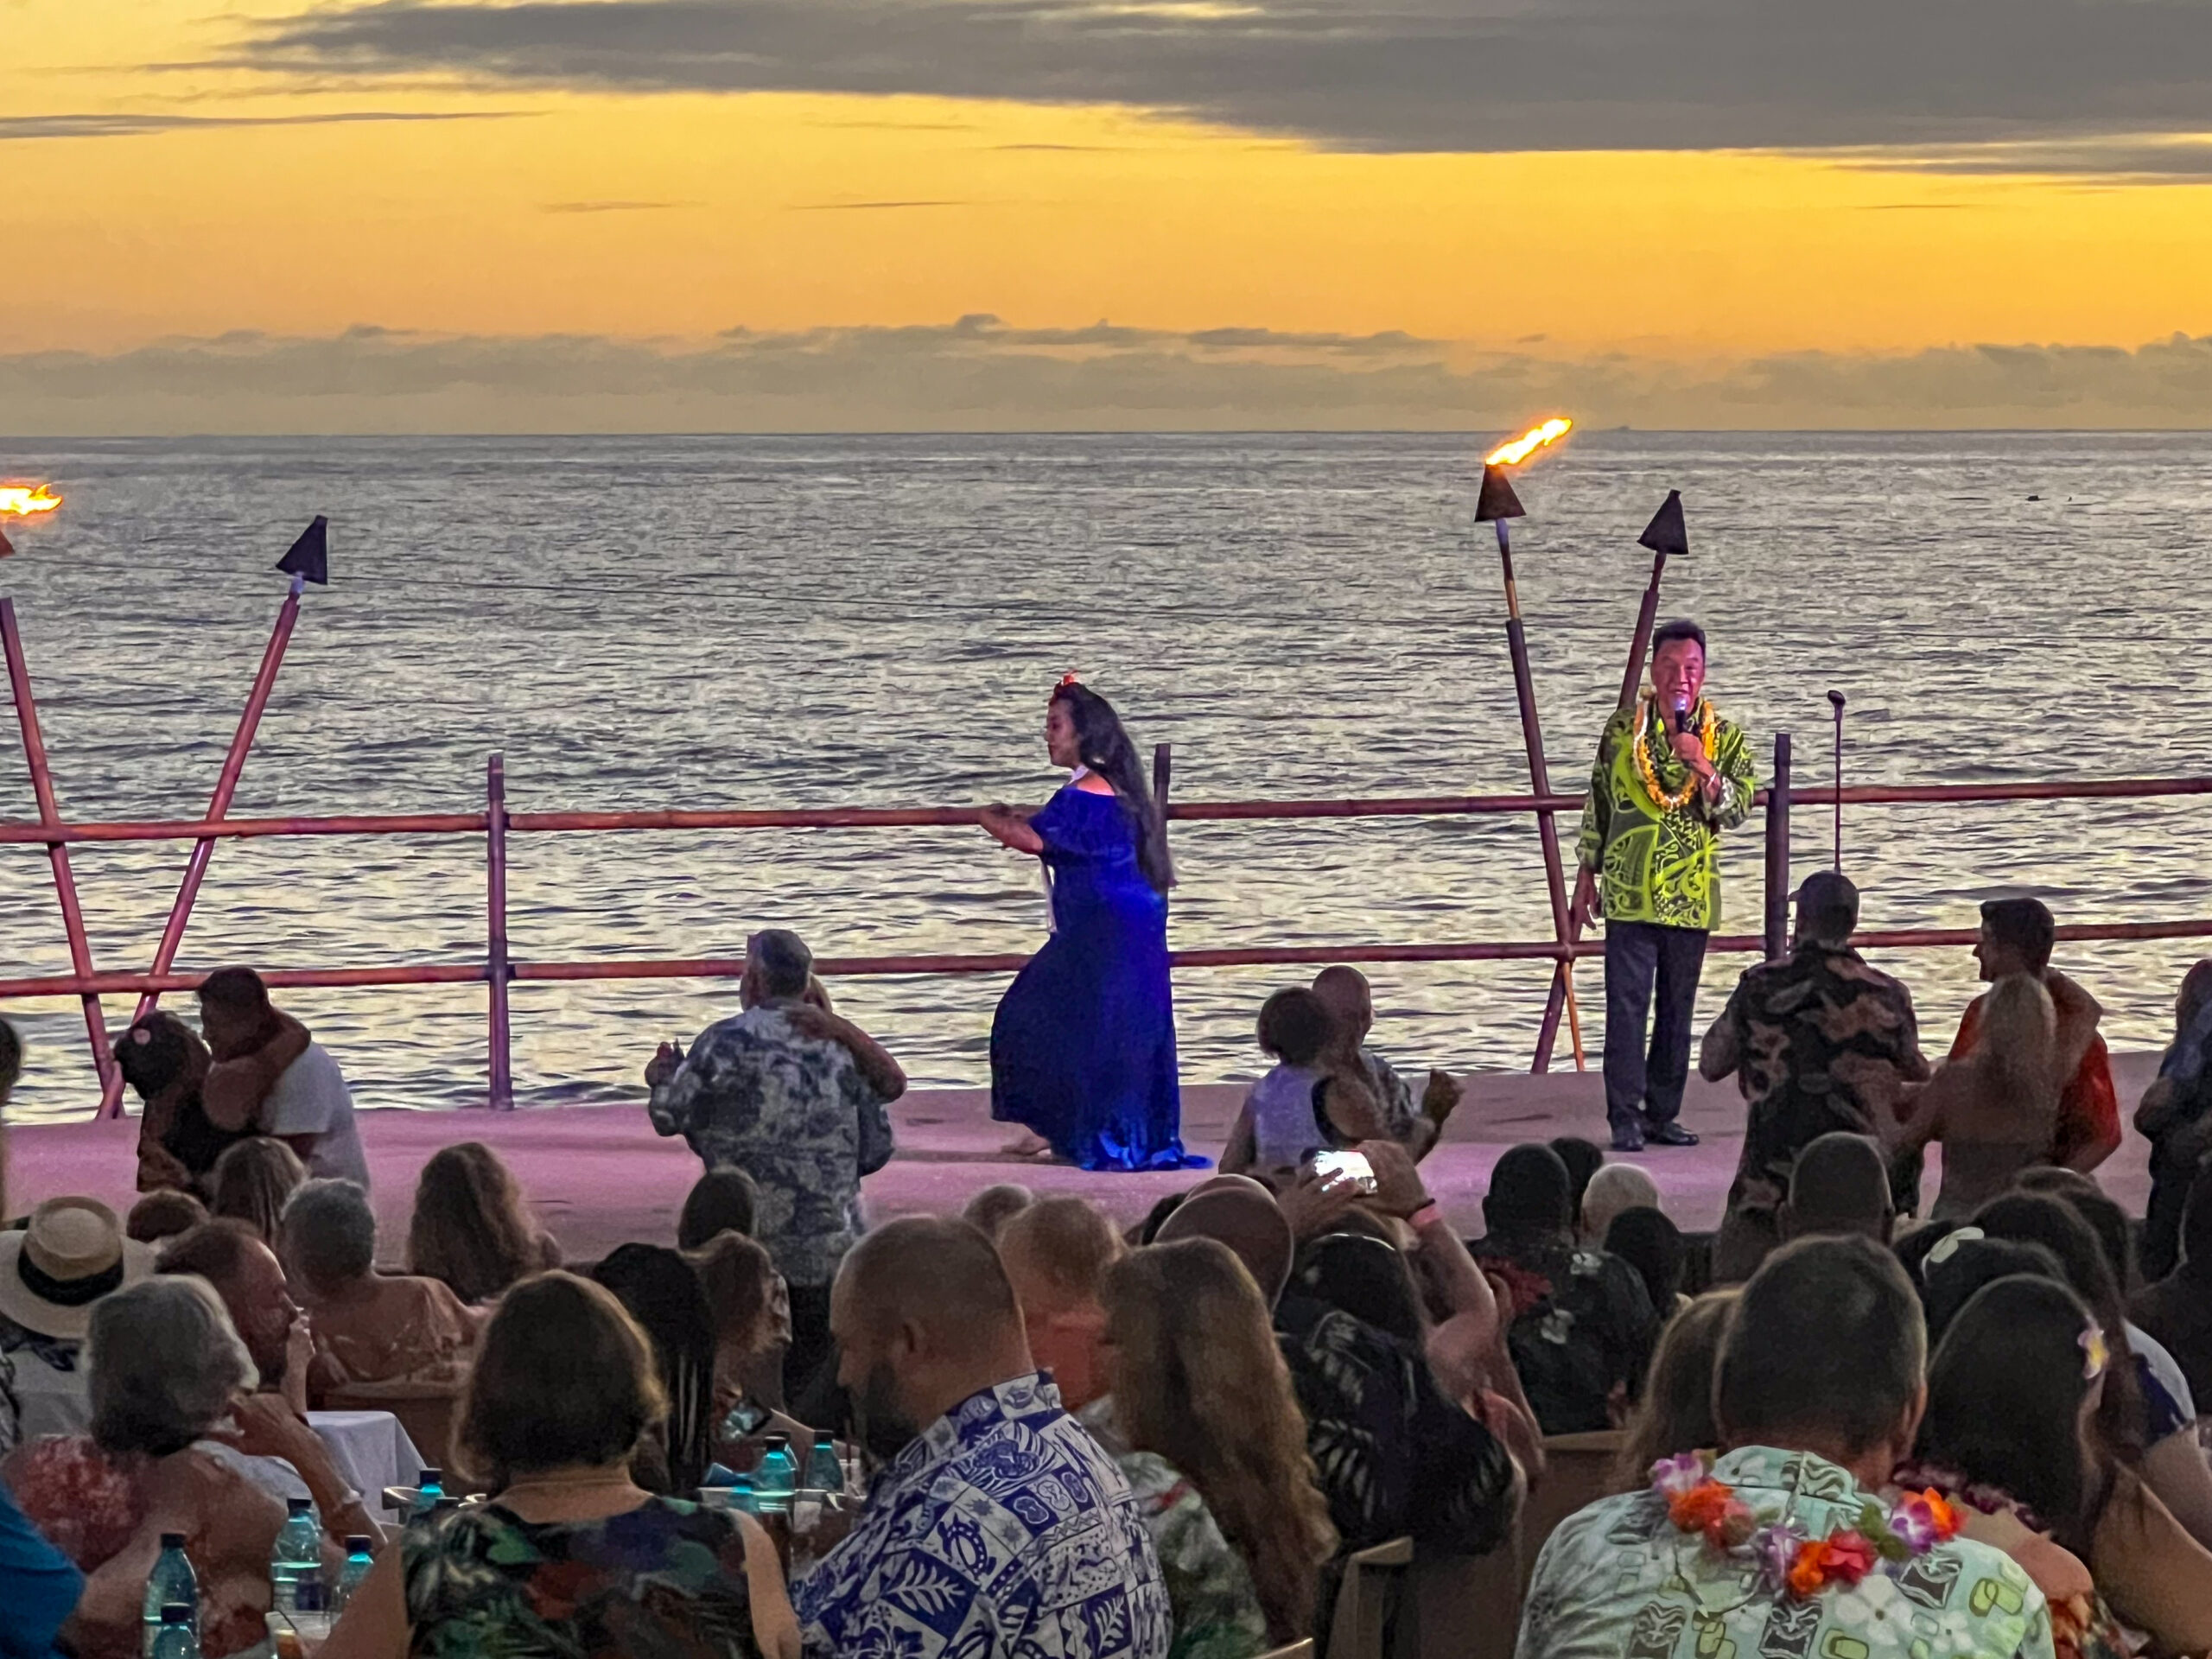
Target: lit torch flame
1535,438
25,501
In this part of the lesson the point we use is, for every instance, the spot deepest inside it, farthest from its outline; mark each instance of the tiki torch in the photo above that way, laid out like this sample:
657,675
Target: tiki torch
1496,505
307,561
1665,535
24,501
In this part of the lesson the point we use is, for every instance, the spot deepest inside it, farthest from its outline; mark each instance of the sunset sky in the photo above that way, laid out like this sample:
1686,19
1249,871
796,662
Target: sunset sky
1288,212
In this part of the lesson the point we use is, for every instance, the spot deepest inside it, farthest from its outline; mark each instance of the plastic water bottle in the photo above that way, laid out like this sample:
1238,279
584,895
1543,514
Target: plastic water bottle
176,1636
297,1558
359,1562
172,1583
776,1477
823,1472
429,1491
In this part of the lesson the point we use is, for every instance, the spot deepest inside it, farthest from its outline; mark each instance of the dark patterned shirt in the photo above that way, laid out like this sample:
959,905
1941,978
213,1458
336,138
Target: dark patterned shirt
1616,1580
1583,1326
1819,1042
1656,865
1395,1456
665,1581
1002,1531
795,1113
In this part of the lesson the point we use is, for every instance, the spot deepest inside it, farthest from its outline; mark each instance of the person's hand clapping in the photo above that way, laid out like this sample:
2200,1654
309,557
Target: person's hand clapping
661,1066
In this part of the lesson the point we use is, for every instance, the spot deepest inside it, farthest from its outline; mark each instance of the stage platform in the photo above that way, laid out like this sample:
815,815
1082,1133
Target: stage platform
599,1176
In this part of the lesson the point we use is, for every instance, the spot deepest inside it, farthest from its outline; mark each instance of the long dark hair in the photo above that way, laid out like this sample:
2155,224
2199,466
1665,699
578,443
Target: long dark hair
1106,749
2004,1395
660,1290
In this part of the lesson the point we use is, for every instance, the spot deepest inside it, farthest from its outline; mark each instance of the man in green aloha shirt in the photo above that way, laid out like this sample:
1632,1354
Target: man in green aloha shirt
1670,776
1790,1546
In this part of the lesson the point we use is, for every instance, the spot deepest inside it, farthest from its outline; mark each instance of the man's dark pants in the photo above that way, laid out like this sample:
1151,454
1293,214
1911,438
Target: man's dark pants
1641,1088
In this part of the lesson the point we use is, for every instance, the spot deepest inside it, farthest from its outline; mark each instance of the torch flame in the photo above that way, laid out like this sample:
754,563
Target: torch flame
1535,438
23,500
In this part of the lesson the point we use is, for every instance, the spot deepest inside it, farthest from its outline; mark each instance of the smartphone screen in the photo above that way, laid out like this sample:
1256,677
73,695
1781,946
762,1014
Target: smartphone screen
1345,1168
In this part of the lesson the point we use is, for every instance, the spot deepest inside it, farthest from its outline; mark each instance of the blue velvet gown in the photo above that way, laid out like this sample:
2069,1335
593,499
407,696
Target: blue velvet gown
1083,1051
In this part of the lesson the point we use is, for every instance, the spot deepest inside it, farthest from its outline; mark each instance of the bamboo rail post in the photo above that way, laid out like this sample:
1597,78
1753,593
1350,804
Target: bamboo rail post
497,970
1777,852
226,784
57,852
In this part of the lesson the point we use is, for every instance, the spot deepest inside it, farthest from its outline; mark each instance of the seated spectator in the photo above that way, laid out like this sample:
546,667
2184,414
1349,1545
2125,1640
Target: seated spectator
2140,1416
2177,1310
1817,1398
2012,1399
1300,1108
1583,1159
271,1077
1583,1323
277,1448
1246,1219
1995,1110
2175,1115
1674,1414
570,1557
1351,1003
1613,1190
1398,1451
1839,1184
659,1290
166,1063
39,1585
1056,1254
991,1209
368,1327
163,1213
1820,1043
751,1313
721,1201
52,1274
1653,1245
1201,1418
252,1182
2016,938
799,1099
981,1469
167,1369
1965,1263
472,1227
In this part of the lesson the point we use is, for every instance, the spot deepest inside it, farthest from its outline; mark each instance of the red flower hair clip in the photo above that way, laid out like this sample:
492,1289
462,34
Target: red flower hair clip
1066,680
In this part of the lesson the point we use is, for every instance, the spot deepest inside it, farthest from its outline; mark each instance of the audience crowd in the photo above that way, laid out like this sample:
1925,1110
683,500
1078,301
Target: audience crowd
1836,1427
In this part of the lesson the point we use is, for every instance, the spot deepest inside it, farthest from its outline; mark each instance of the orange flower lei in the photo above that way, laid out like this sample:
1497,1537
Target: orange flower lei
1646,717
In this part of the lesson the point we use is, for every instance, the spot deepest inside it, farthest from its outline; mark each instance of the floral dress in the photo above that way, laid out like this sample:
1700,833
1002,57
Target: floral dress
665,1580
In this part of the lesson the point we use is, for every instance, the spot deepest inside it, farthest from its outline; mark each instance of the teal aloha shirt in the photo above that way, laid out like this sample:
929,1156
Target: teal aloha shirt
1654,865
1618,1581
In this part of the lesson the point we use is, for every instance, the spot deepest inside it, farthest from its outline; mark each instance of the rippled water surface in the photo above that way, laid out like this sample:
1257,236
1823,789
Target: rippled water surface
823,621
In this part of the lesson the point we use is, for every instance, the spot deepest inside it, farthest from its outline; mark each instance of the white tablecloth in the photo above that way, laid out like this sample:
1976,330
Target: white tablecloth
370,1450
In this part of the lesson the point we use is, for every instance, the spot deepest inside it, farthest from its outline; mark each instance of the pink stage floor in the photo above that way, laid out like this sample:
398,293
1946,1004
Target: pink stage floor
599,1176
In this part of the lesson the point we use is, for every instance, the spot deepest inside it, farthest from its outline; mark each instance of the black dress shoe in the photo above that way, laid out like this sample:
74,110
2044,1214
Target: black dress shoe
1669,1135
1628,1138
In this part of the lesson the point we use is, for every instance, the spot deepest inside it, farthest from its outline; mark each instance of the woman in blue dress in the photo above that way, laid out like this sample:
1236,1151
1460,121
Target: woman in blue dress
1083,1051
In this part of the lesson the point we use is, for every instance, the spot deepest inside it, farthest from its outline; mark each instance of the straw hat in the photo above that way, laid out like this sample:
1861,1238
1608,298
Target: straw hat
73,1254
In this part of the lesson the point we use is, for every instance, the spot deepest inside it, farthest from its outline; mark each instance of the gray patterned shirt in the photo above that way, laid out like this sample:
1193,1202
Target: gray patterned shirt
795,1113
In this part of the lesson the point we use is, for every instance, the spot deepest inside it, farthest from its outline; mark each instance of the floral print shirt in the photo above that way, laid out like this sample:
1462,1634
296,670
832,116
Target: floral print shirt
1656,865
1002,1531
666,1580
1618,1580
795,1113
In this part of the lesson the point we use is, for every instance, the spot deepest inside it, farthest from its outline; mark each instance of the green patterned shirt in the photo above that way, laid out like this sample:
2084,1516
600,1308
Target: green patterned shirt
1656,866
1618,1580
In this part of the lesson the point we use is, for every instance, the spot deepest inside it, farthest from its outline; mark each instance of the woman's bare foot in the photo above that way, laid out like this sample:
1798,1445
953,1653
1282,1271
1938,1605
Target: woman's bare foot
1027,1144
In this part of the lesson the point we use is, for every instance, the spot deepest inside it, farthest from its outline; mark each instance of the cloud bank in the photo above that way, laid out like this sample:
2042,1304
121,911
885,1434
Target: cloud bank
978,374
1365,74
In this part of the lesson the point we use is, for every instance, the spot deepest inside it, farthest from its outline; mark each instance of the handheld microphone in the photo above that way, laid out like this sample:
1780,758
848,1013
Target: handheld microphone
1682,713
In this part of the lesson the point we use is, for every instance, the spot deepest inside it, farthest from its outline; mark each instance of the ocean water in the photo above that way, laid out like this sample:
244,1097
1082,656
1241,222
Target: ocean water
701,622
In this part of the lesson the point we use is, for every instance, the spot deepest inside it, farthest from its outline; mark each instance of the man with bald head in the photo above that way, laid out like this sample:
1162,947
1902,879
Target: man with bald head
1055,1253
996,1525
1351,1003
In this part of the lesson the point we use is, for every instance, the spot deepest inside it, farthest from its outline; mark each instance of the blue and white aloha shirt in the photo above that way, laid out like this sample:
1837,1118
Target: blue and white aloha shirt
795,1113
1618,1580
1003,1531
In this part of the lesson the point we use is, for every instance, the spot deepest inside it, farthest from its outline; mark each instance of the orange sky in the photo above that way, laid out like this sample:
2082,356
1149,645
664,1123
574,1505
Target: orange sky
1044,216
